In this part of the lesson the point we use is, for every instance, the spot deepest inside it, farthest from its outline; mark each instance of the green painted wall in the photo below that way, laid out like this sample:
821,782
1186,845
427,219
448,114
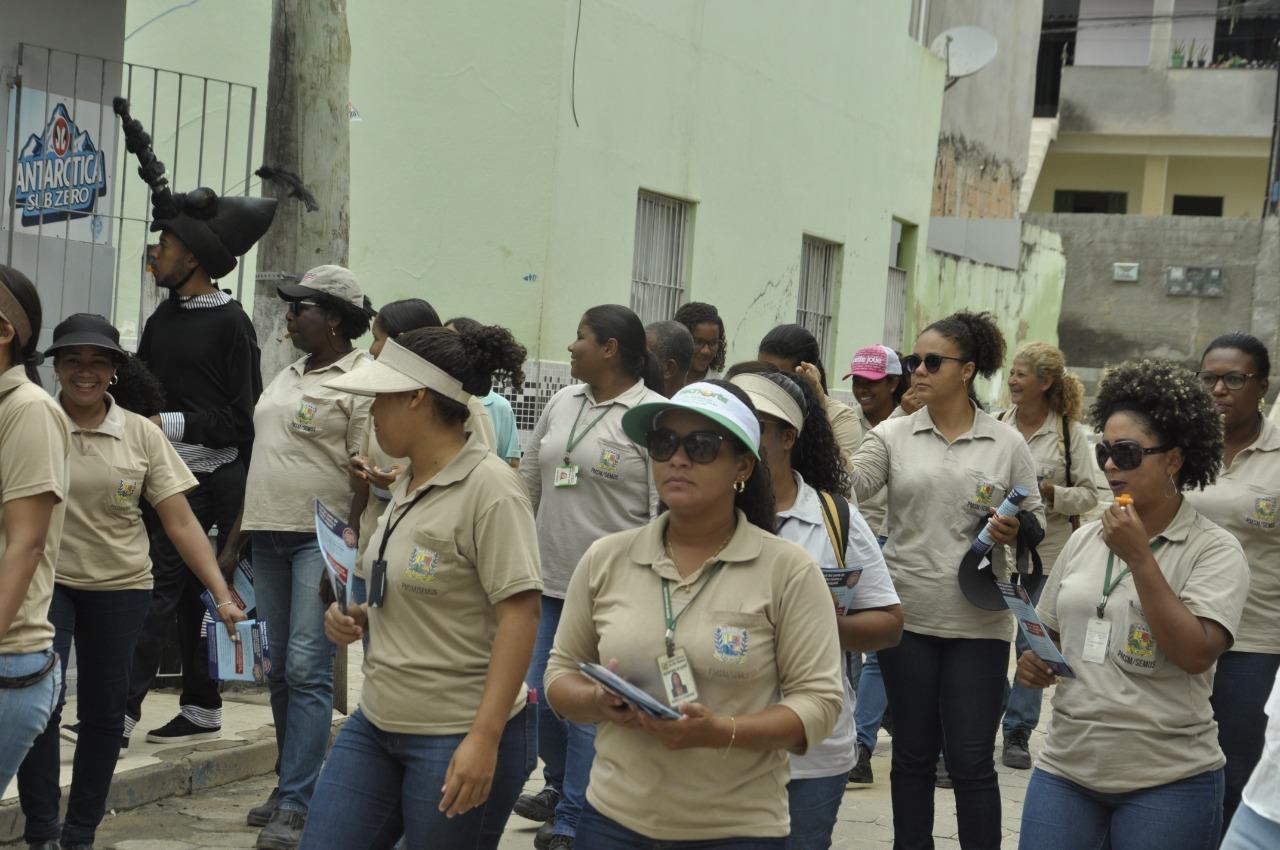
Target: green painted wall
1025,302
471,174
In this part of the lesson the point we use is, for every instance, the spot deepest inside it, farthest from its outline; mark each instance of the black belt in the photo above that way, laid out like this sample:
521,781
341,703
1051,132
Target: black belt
14,683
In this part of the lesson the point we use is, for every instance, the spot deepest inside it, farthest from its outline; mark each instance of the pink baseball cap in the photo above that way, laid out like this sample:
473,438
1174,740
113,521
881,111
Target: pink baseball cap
874,363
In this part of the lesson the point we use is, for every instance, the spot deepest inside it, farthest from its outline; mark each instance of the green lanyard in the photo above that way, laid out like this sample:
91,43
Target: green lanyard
574,436
666,605
1108,585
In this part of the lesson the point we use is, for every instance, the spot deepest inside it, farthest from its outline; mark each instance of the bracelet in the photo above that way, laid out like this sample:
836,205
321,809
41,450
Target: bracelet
733,736
228,602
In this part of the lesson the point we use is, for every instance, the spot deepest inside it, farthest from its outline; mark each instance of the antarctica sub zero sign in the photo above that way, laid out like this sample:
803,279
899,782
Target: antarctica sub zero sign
61,171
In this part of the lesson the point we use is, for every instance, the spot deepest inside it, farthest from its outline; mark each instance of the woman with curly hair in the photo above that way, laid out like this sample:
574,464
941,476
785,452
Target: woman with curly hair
709,345
794,350
1234,370
1142,604
443,739
706,591
794,434
947,467
1046,411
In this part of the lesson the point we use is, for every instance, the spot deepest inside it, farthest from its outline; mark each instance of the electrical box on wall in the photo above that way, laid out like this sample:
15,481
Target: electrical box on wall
1202,281
1125,272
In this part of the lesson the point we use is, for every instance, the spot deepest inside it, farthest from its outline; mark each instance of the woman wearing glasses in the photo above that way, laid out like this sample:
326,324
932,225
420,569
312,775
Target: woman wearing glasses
304,434
586,478
705,590
1234,370
947,467
1142,604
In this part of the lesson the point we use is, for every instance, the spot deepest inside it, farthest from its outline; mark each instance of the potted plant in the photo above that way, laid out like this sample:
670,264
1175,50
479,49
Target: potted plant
1201,57
1179,55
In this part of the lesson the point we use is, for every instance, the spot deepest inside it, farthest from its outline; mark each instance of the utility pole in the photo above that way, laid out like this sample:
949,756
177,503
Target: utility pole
307,132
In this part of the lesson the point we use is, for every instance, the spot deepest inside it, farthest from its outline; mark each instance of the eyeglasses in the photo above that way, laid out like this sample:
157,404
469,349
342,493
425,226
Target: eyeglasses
932,362
1233,380
1125,454
700,446
296,307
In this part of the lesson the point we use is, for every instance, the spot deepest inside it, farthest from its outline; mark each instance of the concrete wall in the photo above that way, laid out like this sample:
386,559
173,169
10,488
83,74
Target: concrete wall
1105,322
1025,301
1119,45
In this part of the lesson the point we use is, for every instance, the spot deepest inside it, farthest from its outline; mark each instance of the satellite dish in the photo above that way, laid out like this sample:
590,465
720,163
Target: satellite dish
966,50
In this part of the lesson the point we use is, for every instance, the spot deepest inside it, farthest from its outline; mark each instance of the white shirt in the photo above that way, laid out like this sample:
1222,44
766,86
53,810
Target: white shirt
1262,794
802,524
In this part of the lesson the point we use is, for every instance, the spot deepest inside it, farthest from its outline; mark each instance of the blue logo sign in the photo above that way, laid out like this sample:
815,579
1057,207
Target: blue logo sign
61,174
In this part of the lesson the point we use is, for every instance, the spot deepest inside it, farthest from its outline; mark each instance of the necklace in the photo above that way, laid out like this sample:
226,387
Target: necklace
666,545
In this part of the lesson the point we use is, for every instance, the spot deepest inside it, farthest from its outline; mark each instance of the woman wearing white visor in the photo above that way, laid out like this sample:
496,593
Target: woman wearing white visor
441,743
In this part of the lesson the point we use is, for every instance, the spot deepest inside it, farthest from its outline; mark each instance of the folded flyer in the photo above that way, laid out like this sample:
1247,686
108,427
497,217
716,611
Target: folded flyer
241,587
338,542
245,660
841,583
1033,629
620,687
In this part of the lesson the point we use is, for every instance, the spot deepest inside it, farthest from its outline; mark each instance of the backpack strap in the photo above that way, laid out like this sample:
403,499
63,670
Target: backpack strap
835,516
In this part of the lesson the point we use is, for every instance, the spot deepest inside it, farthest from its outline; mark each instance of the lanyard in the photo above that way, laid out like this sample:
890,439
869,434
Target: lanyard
666,605
1108,585
391,526
574,436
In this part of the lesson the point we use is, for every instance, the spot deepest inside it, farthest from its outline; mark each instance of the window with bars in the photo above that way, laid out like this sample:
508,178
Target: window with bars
819,271
661,256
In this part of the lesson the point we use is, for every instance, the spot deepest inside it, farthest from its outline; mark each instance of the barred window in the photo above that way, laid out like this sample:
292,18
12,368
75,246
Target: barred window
819,271
661,256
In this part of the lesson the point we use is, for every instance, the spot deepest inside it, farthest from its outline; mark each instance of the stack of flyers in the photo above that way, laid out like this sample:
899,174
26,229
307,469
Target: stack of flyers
338,546
1033,630
241,587
620,687
245,660
841,583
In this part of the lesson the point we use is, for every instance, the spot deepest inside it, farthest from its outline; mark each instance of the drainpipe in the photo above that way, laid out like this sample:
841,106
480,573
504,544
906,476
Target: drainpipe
922,28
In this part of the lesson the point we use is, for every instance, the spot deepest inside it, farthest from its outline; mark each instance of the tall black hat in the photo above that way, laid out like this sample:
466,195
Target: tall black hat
216,230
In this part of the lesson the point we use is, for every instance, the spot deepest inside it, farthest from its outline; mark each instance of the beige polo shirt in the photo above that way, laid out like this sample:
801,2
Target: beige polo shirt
304,437
760,633
1137,720
1047,447
615,488
938,495
33,460
848,424
124,459
1246,502
465,545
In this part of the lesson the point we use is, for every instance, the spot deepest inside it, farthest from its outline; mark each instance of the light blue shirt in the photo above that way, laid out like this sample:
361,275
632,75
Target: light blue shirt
506,438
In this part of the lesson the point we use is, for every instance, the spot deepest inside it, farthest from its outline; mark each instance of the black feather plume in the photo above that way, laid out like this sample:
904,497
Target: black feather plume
292,182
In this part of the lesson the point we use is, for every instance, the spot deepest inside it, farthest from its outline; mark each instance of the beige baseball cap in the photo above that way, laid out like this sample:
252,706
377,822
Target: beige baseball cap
335,281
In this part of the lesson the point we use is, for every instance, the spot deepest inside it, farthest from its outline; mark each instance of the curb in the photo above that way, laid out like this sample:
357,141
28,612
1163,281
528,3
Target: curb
181,771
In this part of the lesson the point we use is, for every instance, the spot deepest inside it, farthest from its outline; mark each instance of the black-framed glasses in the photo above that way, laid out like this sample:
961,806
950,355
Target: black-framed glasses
296,307
700,446
932,362
1125,454
1233,380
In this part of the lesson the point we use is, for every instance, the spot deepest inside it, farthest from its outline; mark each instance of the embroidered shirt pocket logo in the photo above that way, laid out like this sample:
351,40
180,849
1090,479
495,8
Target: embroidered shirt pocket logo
422,565
126,493
609,463
304,419
730,643
1265,509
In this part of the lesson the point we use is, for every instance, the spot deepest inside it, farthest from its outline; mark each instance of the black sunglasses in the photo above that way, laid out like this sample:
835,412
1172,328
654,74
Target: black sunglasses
1125,454
1233,380
932,362
700,446
296,307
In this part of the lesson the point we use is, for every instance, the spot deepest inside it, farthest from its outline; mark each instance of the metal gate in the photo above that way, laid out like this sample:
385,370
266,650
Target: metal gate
77,214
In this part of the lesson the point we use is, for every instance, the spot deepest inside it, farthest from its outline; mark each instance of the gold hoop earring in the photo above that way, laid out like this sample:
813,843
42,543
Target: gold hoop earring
739,486
115,379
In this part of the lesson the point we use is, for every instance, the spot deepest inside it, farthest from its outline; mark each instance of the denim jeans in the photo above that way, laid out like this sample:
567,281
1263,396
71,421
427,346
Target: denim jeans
287,571
105,625
814,805
945,692
868,711
1241,685
597,832
24,712
1251,831
1058,814
566,748
377,786
1022,714
215,500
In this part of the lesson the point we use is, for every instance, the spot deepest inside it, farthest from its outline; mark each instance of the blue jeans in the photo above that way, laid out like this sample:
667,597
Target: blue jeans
597,832
814,805
1022,714
105,625
868,711
24,712
1241,685
1058,814
566,748
1251,831
377,786
287,571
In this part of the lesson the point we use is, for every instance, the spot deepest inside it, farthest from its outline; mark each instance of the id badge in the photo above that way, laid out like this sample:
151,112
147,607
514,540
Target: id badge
677,678
376,586
566,475
1097,641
